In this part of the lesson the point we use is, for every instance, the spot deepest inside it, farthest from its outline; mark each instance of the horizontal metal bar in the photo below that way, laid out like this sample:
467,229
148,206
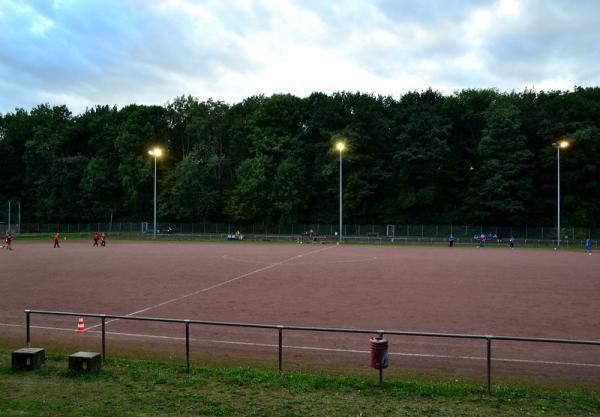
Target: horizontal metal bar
387,332
153,319
263,326
547,340
323,329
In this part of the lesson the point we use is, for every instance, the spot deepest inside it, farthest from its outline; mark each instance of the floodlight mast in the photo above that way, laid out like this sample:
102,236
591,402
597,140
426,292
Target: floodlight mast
340,147
156,152
563,144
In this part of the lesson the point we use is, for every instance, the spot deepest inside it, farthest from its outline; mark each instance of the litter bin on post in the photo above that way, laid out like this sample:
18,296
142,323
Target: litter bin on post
379,354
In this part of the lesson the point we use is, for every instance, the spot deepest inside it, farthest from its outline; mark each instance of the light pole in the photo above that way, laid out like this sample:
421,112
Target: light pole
340,147
156,152
562,144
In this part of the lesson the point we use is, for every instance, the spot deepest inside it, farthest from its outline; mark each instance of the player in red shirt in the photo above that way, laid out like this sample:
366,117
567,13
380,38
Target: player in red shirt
8,240
56,240
103,242
96,237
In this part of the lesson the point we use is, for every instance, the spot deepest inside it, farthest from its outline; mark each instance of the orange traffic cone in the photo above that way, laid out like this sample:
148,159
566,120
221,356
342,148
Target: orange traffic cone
80,326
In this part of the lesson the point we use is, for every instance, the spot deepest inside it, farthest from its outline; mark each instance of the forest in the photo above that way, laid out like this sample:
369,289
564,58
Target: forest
473,157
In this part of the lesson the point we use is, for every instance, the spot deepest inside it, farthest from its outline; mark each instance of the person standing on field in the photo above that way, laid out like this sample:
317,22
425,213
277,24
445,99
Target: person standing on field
451,240
588,246
482,240
8,240
96,238
56,240
103,242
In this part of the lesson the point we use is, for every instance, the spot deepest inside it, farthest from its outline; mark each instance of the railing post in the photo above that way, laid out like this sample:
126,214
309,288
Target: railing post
381,368
27,319
187,345
488,389
103,336
280,329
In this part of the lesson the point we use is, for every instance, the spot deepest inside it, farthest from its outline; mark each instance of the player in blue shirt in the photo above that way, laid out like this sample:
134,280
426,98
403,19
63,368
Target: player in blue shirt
588,246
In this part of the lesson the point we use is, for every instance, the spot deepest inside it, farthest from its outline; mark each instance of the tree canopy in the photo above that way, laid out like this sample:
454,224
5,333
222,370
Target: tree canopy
476,156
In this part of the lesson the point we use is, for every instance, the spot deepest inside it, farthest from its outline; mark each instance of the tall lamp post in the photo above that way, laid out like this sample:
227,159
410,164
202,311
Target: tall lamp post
558,145
156,152
340,147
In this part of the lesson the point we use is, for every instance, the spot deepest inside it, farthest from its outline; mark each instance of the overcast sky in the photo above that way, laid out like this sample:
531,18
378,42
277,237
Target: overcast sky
87,52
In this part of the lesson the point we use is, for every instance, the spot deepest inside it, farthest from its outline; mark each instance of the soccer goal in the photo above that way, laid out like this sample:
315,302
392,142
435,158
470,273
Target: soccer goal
391,230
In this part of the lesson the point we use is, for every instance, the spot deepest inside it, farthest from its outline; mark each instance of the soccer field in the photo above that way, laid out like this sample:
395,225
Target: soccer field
496,291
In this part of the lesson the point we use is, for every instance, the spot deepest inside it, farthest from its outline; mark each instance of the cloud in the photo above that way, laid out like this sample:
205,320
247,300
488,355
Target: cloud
135,51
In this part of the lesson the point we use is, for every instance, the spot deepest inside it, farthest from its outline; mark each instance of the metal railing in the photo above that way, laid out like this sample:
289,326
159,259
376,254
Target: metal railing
280,328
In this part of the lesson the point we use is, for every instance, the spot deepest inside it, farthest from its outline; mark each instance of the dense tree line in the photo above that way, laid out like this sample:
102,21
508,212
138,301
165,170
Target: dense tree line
477,156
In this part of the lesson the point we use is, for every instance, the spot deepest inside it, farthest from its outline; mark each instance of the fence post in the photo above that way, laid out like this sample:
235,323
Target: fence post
187,346
488,389
103,336
27,314
280,329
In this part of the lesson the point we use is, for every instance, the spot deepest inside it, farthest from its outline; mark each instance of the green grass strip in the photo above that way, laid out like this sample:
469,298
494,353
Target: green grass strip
142,388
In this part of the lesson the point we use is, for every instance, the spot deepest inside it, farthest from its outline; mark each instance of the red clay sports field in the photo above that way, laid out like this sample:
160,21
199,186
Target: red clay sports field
497,291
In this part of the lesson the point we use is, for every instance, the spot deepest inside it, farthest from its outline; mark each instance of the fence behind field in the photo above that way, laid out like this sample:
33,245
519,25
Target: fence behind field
281,328
10,216
528,236
372,230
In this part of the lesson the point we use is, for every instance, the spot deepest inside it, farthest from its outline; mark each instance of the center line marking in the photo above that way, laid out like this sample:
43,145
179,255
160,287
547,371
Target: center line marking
212,287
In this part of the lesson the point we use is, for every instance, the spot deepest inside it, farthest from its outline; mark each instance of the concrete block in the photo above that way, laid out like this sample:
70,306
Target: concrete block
28,358
85,361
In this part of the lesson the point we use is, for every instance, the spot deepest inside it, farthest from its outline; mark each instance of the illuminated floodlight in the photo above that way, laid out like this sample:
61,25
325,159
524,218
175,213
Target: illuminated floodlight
156,152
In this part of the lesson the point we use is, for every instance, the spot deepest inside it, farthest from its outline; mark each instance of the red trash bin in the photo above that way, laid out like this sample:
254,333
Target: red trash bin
379,352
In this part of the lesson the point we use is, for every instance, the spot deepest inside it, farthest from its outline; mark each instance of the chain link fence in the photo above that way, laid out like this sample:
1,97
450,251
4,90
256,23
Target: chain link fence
391,233
10,216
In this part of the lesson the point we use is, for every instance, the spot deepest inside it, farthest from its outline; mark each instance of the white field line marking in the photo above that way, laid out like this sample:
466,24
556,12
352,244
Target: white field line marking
363,259
212,287
315,348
